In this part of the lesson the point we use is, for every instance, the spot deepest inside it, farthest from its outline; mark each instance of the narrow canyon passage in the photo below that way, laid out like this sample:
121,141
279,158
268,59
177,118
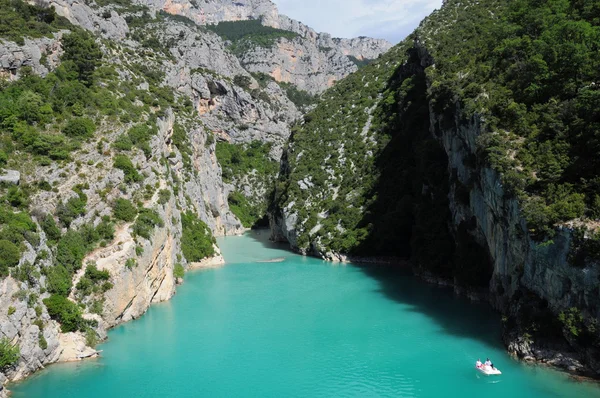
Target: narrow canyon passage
302,327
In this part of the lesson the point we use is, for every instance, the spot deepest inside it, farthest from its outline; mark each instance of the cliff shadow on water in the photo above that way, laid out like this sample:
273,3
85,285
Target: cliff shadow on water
456,316
409,214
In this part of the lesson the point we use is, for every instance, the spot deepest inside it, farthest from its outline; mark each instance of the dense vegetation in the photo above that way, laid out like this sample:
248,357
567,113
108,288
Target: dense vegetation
533,72
19,20
238,160
245,35
247,164
196,240
529,68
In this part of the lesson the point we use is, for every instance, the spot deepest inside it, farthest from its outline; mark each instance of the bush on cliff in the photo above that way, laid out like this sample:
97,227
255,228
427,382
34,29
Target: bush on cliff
66,312
9,354
124,210
196,239
145,223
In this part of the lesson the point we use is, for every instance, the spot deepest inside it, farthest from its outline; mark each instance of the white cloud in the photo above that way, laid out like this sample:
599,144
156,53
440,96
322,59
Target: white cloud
388,19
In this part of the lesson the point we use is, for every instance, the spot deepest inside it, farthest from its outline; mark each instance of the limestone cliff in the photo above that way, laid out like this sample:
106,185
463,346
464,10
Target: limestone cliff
313,61
399,162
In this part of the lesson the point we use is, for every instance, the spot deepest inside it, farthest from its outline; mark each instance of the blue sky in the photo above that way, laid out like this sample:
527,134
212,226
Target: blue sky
386,19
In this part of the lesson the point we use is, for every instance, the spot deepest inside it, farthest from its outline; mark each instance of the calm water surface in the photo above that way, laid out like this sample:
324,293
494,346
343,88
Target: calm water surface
302,328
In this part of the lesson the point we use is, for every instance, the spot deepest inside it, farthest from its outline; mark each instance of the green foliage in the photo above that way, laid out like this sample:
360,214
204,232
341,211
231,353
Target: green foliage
529,68
11,310
243,209
81,50
50,228
163,196
19,19
245,35
80,127
572,321
359,62
181,141
237,160
91,338
93,281
122,162
66,312
9,354
124,210
196,239
138,136
178,271
27,273
130,263
300,98
145,223
9,256
59,280
70,250
71,209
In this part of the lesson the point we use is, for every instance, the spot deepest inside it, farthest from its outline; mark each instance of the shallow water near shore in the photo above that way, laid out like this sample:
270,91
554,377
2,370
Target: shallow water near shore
302,327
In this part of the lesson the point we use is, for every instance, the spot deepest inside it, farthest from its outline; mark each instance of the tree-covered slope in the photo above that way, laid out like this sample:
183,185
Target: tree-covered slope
471,149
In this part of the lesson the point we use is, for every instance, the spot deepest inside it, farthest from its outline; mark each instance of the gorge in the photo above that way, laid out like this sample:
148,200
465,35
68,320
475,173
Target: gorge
135,132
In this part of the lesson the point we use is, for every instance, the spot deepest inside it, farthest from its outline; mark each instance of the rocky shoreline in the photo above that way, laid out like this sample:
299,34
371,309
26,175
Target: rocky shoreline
555,354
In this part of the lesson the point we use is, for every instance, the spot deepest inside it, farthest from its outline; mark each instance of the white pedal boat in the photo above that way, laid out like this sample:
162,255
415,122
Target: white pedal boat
488,370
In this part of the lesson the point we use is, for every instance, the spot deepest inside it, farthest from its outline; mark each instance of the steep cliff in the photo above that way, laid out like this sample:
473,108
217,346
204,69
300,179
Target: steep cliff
444,153
311,61
112,120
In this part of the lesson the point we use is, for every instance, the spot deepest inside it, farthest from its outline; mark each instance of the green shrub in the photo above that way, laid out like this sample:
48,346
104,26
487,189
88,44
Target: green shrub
59,280
122,162
26,272
42,341
50,228
71,250
245,35
163,196
145,223
11,310
9,354
196,239
71,209
91,338
9,256
130,263
66,312
79,128
178,271
124,210
105,229
81,50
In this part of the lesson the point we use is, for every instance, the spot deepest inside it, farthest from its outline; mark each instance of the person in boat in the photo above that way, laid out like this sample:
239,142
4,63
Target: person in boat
478,364
489,363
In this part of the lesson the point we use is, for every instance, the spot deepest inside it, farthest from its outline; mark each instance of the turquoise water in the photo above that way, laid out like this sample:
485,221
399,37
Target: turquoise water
302,328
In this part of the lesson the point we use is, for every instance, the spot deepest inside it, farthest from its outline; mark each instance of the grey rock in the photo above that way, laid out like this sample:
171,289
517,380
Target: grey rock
10,177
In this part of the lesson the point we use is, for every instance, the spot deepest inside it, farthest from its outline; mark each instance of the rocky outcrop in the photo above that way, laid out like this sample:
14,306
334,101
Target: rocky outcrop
525,272
313,61
10,177
39,54
107,23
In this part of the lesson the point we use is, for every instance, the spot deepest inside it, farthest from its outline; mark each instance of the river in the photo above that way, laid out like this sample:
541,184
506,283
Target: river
302,327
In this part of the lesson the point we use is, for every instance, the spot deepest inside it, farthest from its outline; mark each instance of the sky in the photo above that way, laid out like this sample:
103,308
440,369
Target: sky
385,19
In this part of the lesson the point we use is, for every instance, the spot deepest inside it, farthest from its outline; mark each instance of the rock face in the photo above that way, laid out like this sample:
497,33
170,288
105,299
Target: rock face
222,101
10,177
39,54
456,202
312,62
